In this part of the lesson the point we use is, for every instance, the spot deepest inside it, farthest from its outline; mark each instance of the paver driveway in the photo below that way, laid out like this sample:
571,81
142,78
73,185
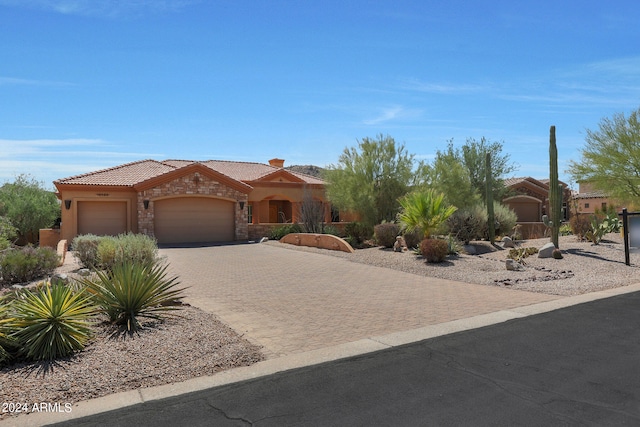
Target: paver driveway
292,301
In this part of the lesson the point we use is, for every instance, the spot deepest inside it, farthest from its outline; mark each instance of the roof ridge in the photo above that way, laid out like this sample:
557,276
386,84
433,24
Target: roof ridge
82,175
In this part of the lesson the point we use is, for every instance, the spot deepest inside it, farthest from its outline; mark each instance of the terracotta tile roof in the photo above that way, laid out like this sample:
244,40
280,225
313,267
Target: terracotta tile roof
130,174
125,175
591,195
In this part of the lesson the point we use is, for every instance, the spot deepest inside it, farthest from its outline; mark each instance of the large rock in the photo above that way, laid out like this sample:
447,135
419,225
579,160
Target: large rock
546,251
507,242
470,249
512,265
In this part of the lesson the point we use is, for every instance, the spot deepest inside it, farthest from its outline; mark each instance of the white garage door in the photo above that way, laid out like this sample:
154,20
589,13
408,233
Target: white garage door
102,218
194,219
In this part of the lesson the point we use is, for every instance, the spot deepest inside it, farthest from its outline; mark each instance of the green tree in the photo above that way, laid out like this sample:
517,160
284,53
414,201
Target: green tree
473,156
369,179
424,211
28,206
611,158
461,174
448,175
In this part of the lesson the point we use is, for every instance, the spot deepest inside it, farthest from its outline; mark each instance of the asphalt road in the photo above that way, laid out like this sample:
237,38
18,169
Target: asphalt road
575,366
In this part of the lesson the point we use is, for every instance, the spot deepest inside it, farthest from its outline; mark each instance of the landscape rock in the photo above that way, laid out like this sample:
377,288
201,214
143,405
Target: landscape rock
507,242
59,278
84,272
399,244
512,265
264,239
470,249
546,251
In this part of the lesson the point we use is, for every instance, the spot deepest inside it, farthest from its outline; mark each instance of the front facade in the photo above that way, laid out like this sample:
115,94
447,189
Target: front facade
179,201
588,200
529,199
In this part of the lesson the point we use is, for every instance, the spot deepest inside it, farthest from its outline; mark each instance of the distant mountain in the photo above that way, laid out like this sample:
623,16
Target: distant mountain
307,170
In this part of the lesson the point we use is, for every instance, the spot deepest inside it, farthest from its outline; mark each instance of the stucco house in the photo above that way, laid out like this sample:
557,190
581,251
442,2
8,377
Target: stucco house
529,199
183,201
588,199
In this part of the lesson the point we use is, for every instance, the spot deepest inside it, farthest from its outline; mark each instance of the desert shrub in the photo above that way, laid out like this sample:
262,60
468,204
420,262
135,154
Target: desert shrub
105,251
7,231
412,238
505,220
565,230
27,263
580,225
330,229
453,245
519,254
279,232
85,249
8,345
434,250
357,232
129,291
386,234
51,322
468,224
4,244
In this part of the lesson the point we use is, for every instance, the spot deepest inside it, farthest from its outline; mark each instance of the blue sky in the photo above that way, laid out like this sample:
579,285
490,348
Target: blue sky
89,84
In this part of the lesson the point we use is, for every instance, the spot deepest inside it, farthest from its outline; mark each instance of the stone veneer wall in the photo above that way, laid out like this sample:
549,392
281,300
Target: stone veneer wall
192,184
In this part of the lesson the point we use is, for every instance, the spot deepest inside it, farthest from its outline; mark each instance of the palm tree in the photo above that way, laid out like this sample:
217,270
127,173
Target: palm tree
424,211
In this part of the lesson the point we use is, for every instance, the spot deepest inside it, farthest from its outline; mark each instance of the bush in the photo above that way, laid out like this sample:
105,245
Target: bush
51,322
565,230
330,229
278,233
505,220
468,224
580,225
7,230
103,252
8,345
434,250
386,234
412,239
357,232
26,264
132,290
85,249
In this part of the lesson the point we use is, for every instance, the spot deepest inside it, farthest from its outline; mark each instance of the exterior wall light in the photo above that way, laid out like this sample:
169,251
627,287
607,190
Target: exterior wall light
241,205
67,204
145,202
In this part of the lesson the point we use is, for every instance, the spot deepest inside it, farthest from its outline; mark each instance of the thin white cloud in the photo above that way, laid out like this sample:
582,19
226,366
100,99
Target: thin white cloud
17,81
102,8
442,88
395,112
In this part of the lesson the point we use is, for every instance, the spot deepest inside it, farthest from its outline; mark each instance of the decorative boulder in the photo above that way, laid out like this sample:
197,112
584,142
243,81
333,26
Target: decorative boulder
507,242
512,265
399,245
60,278
470,249
546,251
84,272
264,239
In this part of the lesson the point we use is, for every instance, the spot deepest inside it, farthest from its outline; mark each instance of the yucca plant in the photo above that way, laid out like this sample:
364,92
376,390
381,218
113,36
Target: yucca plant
8,345
424,211
131,290
54,321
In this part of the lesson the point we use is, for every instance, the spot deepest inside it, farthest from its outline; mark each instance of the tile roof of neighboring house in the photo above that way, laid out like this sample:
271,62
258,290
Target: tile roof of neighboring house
512,182
591,195
134,173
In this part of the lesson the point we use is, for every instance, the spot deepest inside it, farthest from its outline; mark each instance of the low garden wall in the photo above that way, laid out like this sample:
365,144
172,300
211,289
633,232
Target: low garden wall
323,241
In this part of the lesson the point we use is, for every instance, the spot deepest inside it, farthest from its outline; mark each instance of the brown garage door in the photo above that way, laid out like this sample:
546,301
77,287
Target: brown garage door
102,218
194,219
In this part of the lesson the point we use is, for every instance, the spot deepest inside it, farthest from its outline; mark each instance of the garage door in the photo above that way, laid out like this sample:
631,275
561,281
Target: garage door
102,218
194,219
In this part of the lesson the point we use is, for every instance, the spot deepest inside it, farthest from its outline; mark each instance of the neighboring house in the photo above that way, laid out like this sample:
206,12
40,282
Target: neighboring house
179,201
529,199
588,199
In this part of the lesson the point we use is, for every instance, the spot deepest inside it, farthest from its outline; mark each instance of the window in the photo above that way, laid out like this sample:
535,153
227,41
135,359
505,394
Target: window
586,205
250,213
604,206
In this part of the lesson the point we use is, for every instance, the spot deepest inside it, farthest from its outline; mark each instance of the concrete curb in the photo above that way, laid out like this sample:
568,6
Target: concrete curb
293,361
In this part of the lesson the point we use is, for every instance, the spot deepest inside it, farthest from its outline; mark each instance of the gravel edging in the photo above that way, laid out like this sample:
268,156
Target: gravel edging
585,267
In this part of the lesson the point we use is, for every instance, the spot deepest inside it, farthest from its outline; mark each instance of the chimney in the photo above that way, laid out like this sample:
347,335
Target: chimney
276,163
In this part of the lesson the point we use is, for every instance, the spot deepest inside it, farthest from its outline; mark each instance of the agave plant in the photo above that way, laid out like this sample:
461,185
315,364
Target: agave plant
51,322
424,211
131,290
7,344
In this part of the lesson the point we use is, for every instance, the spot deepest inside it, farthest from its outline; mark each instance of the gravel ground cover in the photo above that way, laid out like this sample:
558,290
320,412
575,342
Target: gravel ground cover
584,268
188,344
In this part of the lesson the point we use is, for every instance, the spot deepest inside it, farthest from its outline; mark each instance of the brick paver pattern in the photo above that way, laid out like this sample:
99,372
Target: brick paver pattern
291,301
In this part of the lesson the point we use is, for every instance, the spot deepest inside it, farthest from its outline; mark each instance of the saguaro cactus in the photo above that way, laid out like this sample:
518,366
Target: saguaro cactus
555,189
489,189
